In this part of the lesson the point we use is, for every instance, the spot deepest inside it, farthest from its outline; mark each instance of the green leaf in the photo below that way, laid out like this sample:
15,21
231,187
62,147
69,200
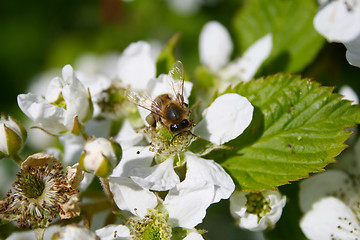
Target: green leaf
295,41
297,129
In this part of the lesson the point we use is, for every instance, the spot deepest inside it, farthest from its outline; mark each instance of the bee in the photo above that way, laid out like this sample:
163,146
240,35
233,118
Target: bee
167,109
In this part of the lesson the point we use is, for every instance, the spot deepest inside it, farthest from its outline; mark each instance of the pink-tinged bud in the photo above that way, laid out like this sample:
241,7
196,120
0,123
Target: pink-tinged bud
100,156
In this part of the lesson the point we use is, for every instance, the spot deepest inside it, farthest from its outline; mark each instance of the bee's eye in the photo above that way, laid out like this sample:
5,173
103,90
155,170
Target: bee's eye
186,105
174,128
184,123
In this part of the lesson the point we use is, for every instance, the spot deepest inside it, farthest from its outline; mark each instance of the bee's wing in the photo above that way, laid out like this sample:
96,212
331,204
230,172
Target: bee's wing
143,100
177,76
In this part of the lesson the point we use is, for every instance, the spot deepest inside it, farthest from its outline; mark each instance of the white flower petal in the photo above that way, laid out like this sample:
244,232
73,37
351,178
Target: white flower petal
93,64
187,202
330,218
134,157
247,65
215,45
353,51
127,137
114,232
77,102
88,178
136,65
68,74
53,89
131,197
194,236
160,177
38,139
331,182
75,232
95,83
213,173
73,146
226,118
349,94
48,116
277,203
338,21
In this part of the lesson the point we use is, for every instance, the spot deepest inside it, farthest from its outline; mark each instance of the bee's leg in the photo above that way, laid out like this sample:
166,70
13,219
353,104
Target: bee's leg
151,120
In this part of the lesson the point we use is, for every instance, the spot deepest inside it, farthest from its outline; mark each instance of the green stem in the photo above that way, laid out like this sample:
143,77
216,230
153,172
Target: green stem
17,159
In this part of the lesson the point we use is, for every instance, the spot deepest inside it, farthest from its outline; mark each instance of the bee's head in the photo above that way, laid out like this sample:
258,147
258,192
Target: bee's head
180,126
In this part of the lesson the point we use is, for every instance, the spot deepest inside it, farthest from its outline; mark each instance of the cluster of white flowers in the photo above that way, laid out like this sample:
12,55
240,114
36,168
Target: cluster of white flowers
338,21
159,186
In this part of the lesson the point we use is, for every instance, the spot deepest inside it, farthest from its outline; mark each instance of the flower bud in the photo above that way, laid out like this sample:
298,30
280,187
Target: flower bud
100,156
12,137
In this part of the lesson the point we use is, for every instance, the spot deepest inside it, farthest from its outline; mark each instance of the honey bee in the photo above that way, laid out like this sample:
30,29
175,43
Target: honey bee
168,109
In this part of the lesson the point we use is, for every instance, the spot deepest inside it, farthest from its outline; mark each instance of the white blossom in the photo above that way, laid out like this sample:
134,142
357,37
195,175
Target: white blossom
338,21
257,211
334,183
331,200
215,45
133,68
329,218
186,201
179,209
65,99
215,48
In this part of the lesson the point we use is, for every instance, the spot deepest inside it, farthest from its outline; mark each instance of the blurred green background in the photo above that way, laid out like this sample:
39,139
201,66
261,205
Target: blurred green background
38,35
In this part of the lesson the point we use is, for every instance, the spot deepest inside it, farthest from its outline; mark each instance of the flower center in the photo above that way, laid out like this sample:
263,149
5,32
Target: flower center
152,227
32,186
60,102
162,141
257,204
